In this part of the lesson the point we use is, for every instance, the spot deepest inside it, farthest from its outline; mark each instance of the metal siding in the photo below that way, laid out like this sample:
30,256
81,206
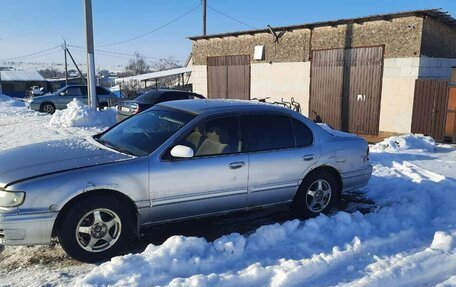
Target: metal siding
365,70
228,77
338,76
326,86
429,107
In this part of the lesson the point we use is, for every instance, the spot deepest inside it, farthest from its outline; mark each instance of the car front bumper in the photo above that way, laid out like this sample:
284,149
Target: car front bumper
356,179
26,229
33,106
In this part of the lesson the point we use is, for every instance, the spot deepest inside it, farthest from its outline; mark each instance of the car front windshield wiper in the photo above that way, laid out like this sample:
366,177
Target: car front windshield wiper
114,147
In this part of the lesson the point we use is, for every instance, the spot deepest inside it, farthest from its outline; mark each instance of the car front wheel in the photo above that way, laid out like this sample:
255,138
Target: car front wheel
47,108
318,193
95,228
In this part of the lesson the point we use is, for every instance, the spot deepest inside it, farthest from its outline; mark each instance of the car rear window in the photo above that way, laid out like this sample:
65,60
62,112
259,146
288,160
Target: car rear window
149,97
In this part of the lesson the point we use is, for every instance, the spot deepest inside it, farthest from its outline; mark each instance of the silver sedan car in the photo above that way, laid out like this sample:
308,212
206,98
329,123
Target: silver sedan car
177,160
49,103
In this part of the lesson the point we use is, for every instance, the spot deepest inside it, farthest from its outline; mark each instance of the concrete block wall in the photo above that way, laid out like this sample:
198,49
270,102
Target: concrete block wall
398,87
199,79
281,81
436,68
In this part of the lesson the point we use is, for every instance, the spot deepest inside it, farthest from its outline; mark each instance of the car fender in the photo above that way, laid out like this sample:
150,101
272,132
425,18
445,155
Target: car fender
52,192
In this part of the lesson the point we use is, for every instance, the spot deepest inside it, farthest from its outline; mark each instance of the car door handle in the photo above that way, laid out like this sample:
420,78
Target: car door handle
237,164
308,157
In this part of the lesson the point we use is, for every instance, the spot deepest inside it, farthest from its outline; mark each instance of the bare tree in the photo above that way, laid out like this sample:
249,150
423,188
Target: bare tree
51,73
165,64
137,65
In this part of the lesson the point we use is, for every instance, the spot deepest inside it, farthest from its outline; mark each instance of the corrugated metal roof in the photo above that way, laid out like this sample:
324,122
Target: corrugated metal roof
10,76
437,14
155,75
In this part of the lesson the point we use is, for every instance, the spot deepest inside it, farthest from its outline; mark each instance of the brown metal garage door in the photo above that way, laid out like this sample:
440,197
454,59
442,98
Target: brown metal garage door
346,88
228,77
429,107
326,86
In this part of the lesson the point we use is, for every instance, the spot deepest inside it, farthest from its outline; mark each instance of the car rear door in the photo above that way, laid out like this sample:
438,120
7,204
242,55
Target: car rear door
281,150
214,180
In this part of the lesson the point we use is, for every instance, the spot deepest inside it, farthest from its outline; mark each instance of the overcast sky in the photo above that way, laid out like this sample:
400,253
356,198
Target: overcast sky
30,26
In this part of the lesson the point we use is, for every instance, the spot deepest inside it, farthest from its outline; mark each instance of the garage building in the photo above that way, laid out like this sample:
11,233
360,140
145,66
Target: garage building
365,75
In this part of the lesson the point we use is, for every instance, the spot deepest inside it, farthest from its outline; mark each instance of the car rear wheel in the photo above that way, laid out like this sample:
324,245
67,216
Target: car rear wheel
318,193
95,228
47,108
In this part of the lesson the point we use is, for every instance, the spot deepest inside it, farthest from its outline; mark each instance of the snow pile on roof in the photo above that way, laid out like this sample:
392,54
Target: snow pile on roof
21,76
6,101
79,115
410,239
406,142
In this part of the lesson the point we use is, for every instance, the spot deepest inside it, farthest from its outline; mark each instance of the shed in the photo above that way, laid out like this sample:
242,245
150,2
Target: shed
16,83
359,75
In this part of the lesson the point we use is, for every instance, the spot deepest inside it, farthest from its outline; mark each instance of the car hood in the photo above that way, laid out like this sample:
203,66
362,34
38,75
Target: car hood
34,160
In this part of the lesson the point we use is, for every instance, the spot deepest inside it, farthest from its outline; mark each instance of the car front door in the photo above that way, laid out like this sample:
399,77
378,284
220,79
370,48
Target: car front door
213,180
281,150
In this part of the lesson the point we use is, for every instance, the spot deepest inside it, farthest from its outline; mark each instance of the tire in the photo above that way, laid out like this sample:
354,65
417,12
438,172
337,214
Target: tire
96,228
318,193
47,108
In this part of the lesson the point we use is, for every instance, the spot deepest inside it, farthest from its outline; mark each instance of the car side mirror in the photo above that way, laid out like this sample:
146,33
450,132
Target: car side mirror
62,93
182,151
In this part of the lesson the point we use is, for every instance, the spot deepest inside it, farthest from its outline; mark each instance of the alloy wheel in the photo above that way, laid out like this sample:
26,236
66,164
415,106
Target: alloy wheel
318,195
98,230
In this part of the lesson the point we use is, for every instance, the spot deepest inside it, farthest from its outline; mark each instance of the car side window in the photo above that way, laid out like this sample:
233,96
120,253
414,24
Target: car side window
172,97
269,132
215,137
73,91
102,92
303,134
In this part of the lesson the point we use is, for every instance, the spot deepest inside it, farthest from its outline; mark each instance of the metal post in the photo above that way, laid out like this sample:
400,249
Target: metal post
204,4
90,55
66,62
77,68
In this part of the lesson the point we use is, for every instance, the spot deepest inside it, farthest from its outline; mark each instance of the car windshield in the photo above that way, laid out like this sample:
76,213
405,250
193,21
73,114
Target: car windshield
142,134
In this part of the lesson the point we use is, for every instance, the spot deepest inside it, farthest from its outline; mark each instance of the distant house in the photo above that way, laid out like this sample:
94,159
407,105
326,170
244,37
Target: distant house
368,75
16,83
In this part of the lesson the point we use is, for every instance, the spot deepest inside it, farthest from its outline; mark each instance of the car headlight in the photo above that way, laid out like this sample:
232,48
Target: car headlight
11,198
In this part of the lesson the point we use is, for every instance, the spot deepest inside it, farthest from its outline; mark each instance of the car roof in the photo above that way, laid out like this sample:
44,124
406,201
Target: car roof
161,91
201,106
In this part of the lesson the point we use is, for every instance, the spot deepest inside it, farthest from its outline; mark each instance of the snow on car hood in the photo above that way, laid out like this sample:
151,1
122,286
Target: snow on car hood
54,156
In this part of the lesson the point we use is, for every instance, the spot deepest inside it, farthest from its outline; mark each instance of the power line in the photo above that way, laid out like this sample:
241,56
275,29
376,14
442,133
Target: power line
229,17
31,54
101,52
154,30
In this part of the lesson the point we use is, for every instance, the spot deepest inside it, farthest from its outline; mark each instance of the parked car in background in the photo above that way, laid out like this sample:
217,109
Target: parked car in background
129,108
177,160
59,100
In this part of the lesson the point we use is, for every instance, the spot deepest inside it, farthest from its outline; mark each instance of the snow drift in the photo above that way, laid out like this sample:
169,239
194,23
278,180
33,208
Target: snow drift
79,115
406,142
6,101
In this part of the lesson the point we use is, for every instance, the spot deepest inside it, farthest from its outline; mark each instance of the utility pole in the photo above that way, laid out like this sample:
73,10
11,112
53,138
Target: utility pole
1,92
66,62
91,87
204,4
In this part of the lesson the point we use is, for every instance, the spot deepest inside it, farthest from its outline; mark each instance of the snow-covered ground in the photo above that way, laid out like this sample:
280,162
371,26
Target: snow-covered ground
408,239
